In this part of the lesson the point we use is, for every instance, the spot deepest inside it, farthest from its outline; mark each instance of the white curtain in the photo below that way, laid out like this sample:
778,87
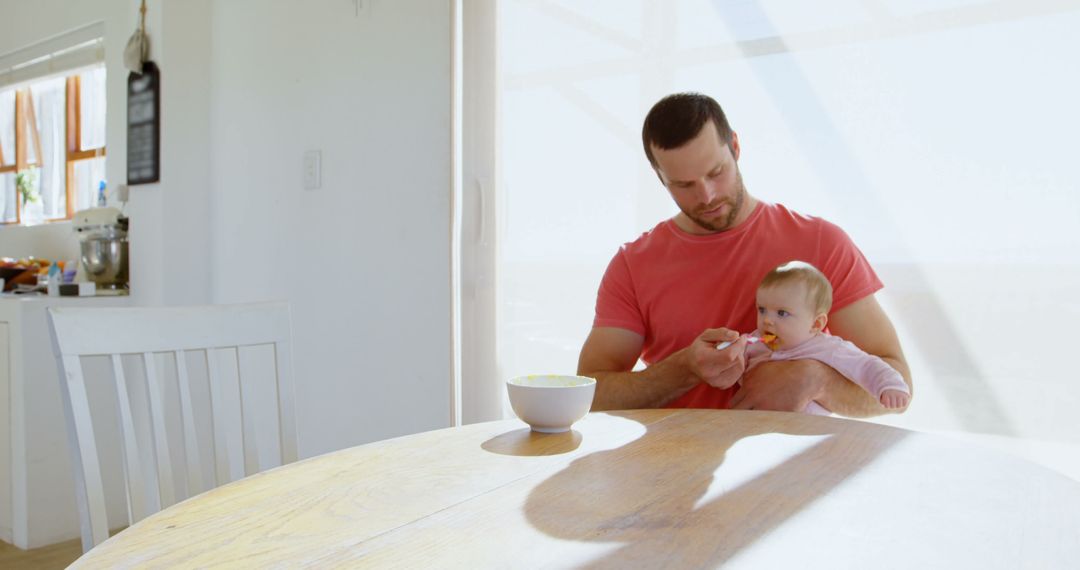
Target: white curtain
49,107
7,145
92,96
90,173
7,201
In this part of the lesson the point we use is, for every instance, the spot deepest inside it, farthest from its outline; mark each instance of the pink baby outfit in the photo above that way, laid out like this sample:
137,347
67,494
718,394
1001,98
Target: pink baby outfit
868,371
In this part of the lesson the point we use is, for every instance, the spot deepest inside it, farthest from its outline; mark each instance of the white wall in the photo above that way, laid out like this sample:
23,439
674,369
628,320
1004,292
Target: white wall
365,260
248,86
170,230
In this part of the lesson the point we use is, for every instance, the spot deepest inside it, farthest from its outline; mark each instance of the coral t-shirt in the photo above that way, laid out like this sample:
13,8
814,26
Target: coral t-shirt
669,286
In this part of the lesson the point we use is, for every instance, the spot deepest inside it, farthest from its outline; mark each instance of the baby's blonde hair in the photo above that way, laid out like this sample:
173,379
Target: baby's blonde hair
818,288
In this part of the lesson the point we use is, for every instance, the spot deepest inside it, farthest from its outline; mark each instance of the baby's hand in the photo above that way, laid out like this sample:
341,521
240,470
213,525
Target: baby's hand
894,399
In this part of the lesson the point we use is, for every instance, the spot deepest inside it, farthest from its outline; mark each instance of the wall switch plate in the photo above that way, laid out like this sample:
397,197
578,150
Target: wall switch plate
313,170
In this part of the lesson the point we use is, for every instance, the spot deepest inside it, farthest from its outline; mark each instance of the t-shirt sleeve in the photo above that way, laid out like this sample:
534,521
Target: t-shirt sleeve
848,271
616,301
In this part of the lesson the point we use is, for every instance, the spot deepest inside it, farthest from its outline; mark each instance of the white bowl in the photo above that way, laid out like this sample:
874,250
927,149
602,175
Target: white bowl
551,403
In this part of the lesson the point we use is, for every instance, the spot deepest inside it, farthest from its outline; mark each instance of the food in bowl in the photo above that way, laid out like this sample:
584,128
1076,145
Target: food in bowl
551,403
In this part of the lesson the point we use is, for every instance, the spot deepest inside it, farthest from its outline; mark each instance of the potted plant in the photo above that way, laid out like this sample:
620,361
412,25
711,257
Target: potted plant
26,182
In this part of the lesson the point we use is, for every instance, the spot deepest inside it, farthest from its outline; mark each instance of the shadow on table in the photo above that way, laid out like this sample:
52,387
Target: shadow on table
526,442
625,494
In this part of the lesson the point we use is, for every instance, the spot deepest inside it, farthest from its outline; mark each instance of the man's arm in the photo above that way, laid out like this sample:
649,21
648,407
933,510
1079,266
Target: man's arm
791,385
865,324
609,355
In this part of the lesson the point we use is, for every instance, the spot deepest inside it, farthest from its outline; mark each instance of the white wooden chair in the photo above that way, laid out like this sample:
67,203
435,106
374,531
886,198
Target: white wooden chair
237,391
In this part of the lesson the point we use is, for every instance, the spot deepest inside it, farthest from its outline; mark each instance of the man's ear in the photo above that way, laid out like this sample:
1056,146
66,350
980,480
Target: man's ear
819,322
734,145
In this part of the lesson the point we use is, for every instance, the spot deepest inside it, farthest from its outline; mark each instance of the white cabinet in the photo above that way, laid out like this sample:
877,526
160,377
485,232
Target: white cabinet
37,488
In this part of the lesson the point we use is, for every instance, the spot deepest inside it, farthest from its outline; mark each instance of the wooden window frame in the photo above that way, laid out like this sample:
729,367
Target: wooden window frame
26,126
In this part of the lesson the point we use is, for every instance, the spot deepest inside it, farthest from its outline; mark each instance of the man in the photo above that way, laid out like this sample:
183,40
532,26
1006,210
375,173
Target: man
671,296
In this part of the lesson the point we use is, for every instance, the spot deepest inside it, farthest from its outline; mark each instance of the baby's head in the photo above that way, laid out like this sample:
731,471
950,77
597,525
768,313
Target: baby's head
793,302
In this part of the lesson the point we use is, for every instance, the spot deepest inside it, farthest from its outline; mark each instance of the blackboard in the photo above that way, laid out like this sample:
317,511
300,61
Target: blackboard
144,125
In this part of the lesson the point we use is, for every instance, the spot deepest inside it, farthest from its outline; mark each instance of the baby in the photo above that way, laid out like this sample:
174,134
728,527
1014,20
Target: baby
793,303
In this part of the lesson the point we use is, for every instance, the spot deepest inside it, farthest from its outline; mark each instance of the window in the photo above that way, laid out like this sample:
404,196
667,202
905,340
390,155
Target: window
887,118
52,147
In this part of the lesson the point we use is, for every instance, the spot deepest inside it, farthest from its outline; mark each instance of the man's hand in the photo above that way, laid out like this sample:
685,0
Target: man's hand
609,355
783,386
719,368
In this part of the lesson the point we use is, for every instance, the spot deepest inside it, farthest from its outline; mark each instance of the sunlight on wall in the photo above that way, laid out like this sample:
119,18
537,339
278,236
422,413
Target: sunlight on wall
938,134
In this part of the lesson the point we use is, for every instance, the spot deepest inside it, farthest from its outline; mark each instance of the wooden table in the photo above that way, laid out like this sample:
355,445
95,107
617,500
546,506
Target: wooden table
659,488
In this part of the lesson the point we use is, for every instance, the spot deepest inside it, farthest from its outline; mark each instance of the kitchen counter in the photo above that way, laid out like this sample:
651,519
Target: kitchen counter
37,489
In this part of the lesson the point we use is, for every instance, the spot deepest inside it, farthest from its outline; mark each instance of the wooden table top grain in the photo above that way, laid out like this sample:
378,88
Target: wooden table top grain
643,488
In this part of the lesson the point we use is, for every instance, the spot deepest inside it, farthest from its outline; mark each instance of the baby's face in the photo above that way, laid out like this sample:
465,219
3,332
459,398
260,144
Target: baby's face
784,310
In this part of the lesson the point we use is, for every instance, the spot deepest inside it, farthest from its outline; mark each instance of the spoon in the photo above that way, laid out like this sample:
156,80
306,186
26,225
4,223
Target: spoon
749,340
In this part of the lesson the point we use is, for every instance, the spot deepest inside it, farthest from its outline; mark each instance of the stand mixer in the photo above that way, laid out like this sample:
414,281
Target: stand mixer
103,248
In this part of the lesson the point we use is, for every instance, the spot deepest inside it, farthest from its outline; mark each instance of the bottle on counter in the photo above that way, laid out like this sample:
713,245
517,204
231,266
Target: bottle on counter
54,278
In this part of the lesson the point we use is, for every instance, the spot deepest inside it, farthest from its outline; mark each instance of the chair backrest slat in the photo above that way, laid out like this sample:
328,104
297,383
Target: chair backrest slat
195,482
162,461
286,411
129,449
247,413
228,424
238,412
88,489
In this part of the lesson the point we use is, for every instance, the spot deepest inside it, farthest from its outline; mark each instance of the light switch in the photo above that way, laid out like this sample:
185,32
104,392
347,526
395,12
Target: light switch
313,170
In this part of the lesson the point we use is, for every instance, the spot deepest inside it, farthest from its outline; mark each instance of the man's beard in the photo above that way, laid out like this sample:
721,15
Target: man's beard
728,221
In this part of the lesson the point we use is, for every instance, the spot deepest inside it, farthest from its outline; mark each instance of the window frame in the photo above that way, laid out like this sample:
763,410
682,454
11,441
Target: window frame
26,132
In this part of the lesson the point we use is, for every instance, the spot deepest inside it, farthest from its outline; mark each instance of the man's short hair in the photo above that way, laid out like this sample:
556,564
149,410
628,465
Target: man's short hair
818,288
677,118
